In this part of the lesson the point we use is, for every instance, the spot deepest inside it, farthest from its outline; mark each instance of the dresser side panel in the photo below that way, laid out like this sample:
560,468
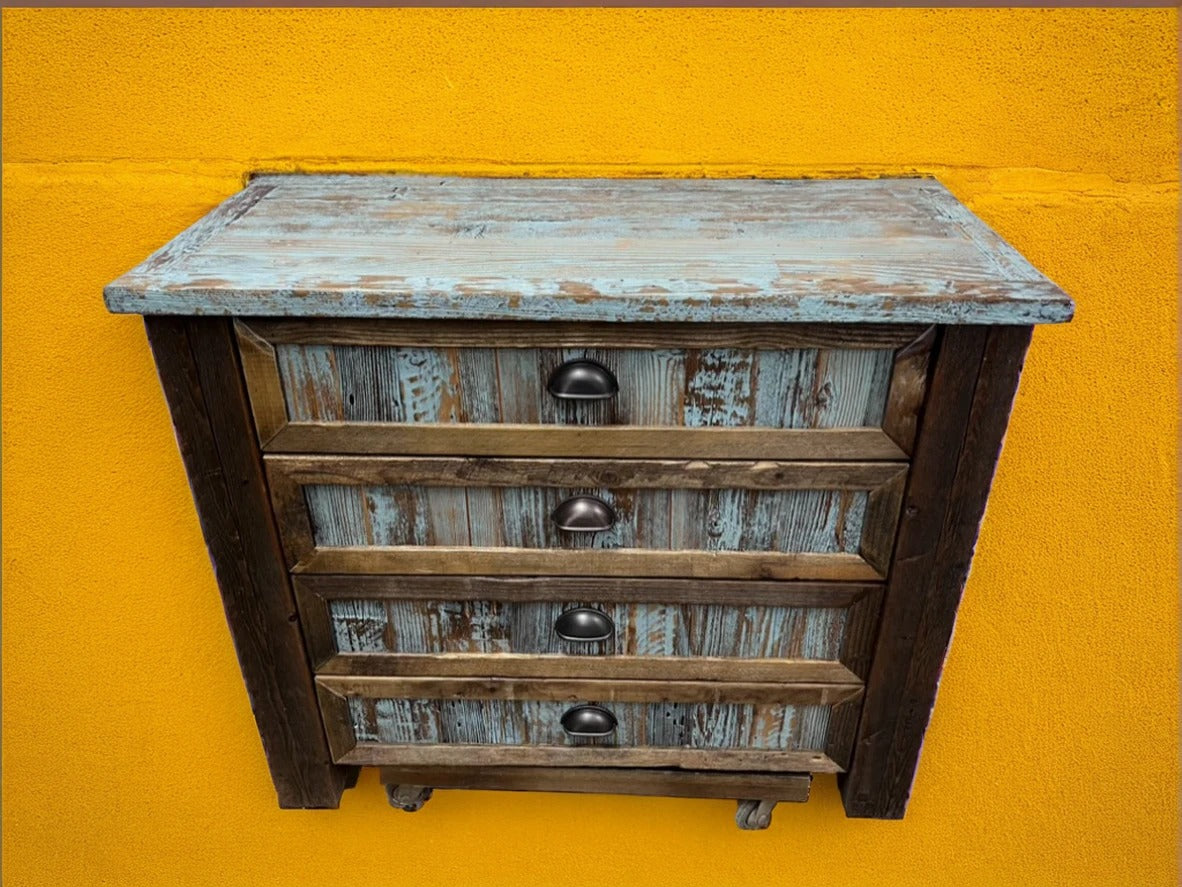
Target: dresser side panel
971,393
202,381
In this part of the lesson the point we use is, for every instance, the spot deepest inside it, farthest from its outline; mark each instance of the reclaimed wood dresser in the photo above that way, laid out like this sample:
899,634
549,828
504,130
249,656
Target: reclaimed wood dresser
639,486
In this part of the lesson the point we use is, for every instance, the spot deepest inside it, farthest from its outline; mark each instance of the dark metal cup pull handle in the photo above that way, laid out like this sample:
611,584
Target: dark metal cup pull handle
589,720
583,379
583,514
584,625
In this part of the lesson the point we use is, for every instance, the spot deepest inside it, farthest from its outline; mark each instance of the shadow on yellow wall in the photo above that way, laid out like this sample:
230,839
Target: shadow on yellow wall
129,752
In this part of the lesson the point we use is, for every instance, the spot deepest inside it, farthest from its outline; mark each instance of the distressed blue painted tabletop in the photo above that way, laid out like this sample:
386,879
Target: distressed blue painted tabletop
740,250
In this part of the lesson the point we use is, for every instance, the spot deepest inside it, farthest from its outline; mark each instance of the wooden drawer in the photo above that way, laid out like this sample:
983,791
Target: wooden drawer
509,626
482,721
671,390
710,519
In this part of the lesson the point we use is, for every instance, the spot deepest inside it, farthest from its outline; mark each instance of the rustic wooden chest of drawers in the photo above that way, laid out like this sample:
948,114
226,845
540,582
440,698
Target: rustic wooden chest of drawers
644,486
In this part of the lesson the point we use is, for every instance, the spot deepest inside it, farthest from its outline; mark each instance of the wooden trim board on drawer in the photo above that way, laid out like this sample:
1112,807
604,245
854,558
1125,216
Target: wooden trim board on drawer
618,562
527,666
588,442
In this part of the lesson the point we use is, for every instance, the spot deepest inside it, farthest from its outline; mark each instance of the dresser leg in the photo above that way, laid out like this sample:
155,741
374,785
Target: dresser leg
408,798
754,815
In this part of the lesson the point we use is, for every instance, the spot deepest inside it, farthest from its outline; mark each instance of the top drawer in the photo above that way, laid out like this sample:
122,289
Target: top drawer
606,390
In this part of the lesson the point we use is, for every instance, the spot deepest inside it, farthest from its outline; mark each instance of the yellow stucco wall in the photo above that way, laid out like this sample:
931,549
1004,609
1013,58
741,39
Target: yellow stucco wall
129,752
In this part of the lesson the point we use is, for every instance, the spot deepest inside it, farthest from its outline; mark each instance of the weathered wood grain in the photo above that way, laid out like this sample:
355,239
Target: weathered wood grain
510,336
261,372
581,689
882,516
971,391
639,442
442,560
291,513
642,668
793,787
529,722
317,370
640,630
665,628
908,389
458,755
860,631
786,507
656,520
630,473
749,251
690,388
345,614
841,732
200,375
747,593
338,722
825,521
362,625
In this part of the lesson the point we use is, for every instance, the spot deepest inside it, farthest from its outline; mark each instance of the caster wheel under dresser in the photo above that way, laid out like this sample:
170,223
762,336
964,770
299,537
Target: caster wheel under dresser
661,487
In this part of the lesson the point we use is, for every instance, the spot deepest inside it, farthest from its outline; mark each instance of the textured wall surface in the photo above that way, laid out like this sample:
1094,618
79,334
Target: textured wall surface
129,752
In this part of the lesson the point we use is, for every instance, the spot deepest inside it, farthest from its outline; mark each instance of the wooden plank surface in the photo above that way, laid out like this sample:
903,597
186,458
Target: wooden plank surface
747,593
908,389
349,516
645,629
199,371
576,689
706,387
971,392
377,754
511,335
645,668
656,621
261,372
518,722
385,503
838,567
747,251
630,473
638,442
793,787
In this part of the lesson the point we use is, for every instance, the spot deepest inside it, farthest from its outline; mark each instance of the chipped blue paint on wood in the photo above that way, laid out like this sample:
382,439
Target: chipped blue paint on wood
424,385
338,514
446,512
399,512
477,372
520,384
312,383
359,625
718,389
822,521
793,388
741,250
641,629
538,722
